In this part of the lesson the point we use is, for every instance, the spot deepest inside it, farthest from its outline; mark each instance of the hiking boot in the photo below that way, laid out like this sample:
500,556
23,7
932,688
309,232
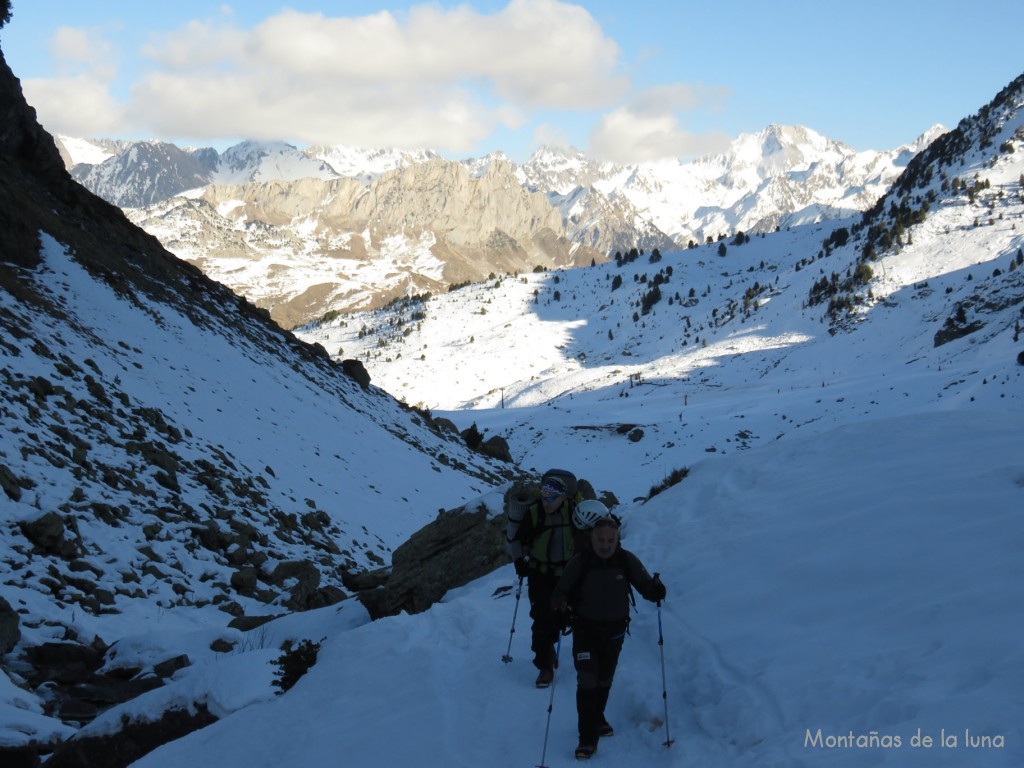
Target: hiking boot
585,751
551,660
545,677
605,729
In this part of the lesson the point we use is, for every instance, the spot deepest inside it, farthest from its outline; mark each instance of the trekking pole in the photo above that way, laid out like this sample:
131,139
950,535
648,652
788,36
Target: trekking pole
664,688
507,658
551,703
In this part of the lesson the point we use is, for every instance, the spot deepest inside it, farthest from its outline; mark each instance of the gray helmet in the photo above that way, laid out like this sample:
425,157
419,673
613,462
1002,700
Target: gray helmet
588,512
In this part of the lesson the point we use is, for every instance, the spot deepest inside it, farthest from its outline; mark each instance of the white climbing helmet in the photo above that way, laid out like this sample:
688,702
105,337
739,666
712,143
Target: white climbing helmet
588,512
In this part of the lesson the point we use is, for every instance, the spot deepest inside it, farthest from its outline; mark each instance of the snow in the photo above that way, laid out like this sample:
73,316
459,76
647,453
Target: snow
866,581
22,718
83,151
367,164
267,160
260,415
843,579
291,266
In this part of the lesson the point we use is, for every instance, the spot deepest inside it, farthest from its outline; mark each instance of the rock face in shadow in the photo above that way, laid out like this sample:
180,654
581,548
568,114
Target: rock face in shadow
10,627
451,551
130,743
458,547
21,136
357,371
29,156
496,447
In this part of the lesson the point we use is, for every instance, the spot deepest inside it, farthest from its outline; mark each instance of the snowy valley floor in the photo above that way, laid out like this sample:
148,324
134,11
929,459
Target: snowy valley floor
865,584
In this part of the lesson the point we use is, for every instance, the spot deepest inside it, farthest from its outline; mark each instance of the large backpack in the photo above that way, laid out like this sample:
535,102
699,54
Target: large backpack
587,558
521,496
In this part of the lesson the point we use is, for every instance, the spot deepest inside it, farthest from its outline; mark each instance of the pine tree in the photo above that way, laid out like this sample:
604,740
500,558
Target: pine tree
473,437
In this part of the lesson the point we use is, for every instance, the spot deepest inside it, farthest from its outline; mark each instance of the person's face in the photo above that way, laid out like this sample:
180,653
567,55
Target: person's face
604,539
551,503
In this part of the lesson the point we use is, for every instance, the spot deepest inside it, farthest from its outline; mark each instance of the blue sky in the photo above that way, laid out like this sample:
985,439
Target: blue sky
624,83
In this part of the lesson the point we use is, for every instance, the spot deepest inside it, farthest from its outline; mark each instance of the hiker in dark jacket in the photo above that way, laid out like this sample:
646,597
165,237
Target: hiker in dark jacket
541,541
594,591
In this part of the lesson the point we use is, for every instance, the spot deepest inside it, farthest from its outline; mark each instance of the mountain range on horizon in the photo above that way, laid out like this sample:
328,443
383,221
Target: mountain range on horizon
308,232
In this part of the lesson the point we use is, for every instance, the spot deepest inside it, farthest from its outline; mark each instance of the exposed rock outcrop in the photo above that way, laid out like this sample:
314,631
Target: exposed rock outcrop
496,447
357,371
47,533
451,551
10,631
461,229
133,741
175,170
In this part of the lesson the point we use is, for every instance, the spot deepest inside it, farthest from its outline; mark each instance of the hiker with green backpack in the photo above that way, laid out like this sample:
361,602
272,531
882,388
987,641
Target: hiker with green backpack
541,538
593,596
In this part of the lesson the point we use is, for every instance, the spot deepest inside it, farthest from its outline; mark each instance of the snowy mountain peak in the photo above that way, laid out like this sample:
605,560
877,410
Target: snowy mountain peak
77,151
479,166
366,165
556,157
927,137
251,161
779,149
560,170
143,172
250,152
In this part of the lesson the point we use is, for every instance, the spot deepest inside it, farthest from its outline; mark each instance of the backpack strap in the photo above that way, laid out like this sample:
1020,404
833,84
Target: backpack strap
540,539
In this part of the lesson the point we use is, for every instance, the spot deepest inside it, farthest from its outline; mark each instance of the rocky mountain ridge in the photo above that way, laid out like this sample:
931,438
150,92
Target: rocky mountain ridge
311,246
391,245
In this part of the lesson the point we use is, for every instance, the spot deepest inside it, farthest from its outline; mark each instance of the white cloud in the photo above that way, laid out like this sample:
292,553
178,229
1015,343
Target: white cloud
196,46
273,108
442,78
678,97
76,106
76,50
79,100
551,136
649,127
432,77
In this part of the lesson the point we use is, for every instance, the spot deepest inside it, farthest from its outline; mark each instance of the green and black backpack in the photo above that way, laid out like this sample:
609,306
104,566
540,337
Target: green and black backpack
522,496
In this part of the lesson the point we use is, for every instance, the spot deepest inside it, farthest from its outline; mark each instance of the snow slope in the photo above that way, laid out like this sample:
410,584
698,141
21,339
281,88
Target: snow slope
707,377
862,582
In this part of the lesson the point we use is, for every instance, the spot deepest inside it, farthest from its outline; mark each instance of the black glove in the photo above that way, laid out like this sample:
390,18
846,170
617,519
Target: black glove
657,589
521,570
563,619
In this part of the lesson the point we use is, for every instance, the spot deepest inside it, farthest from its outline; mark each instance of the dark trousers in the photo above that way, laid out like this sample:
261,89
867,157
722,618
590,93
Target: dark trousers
545,629
595,652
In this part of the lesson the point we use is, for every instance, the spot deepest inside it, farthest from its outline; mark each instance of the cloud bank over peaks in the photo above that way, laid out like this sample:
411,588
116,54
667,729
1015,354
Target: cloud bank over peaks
650,127
429,77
